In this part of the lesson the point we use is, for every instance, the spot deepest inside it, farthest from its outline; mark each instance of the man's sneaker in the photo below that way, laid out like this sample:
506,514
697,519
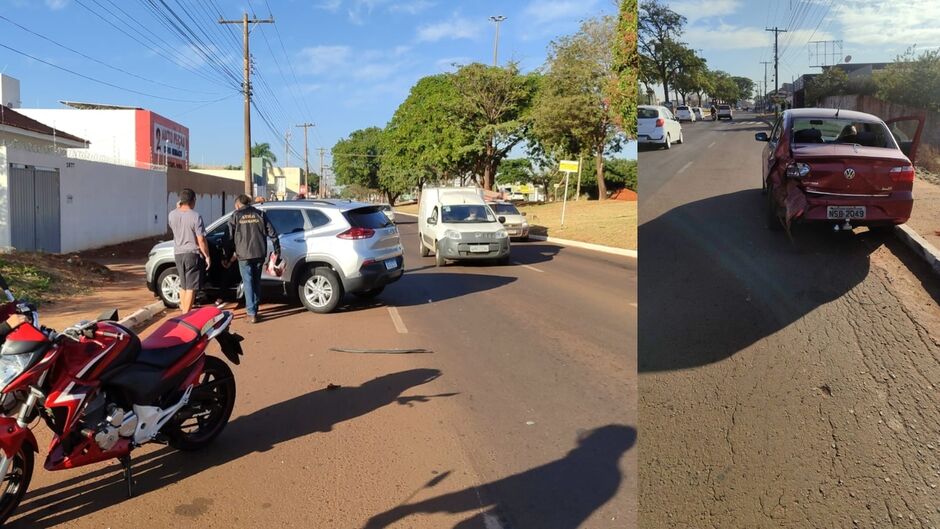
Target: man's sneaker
252,319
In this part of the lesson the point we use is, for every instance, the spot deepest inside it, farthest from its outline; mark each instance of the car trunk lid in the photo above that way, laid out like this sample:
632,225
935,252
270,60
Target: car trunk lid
851,170
373,218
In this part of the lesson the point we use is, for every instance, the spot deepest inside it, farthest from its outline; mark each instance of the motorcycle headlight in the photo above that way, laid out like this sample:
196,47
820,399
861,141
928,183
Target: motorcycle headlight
11,366
502,234
452,234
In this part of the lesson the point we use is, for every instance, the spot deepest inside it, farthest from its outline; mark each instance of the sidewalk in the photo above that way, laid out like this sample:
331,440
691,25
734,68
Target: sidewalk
127,293
925,219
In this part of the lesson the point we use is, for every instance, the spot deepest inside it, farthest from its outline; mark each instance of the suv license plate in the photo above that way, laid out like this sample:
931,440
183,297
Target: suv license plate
391,264
845,212
480,248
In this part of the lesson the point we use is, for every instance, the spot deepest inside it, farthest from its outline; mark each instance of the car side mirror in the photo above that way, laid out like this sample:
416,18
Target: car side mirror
761,136
523,213
502,220
432,220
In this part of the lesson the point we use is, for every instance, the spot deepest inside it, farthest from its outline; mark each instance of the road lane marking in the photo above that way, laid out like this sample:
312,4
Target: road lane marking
710,145
684,167
396,319
528,266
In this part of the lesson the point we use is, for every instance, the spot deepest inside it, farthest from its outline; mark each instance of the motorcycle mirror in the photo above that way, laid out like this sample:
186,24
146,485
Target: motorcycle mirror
108,315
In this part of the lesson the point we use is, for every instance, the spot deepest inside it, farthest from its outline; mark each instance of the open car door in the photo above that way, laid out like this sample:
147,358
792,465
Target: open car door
906,131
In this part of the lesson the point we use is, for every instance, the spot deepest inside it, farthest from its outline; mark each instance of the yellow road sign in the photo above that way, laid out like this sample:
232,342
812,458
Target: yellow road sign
568,166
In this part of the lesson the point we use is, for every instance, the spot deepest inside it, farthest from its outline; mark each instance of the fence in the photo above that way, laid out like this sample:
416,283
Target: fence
886,111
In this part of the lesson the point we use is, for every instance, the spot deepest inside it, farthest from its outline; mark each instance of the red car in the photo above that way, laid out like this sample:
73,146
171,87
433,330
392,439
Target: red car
839,166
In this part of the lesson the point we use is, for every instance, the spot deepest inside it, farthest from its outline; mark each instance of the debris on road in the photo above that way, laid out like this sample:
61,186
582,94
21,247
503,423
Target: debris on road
331,386
382,351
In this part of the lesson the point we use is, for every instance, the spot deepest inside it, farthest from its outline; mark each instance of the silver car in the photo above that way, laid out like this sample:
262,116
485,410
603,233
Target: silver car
329,247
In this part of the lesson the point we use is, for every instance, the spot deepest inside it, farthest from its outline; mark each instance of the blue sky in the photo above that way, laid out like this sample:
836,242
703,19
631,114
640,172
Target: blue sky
341,64
731,33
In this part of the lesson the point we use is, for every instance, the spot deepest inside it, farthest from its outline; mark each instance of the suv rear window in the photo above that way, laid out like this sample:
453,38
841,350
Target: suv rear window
682,108
368,217
647,113
724,107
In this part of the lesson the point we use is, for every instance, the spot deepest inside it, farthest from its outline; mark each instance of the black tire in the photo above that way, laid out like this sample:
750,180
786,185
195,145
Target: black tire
320,290
668,144
881,229
502,261
424,249
166,276
21,470
217,401
369,294
773,213
681,139
438,257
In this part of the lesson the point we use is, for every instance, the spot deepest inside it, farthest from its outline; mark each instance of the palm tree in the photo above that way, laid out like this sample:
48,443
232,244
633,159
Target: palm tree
263,151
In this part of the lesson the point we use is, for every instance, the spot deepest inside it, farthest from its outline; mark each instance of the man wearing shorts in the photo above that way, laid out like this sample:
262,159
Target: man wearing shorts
189,247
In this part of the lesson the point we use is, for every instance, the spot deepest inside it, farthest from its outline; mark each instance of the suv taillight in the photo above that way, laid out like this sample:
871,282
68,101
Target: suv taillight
902,174
357,233
660,122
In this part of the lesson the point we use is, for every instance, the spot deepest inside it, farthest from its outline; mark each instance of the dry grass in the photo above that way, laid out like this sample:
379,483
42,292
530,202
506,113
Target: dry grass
410,208
611,222
928,157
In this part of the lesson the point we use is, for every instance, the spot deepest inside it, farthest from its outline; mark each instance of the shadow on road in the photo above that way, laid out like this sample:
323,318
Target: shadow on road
315,412
715,280
560,494
430,287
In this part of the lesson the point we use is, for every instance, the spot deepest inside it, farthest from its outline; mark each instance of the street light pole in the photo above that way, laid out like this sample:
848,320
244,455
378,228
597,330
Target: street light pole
497,19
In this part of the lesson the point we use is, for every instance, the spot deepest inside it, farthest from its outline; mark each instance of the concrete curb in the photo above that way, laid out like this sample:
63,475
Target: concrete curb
920,246
566,242
142,317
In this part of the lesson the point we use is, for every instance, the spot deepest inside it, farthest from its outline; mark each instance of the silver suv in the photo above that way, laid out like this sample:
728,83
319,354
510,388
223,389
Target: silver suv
330,247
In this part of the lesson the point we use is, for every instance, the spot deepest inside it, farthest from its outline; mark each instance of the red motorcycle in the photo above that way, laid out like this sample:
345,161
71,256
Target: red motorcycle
103,392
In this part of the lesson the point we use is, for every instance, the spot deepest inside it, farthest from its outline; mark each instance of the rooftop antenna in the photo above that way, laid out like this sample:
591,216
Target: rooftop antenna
838,109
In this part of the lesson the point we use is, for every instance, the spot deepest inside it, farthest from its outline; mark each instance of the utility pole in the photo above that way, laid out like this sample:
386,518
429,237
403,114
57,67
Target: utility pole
306,162
497,19
322,178
777,31
763,98
246,88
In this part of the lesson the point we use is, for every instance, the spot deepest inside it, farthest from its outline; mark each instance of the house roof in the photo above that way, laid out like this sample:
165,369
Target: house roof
12,118
96,106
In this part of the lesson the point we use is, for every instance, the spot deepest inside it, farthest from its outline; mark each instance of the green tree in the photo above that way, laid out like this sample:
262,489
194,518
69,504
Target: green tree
689,73
623,87
515,170
426,140
572,112
723,87
494,107
745,88
659,28
833,81
357,159
263,151
911,80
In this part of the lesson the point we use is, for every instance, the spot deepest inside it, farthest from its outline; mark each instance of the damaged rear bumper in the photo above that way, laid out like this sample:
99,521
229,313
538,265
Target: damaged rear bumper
803,206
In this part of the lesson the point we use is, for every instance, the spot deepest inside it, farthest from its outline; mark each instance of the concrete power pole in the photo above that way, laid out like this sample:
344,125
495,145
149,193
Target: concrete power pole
497,19
763,98
306,159
322,179
246,89
777,31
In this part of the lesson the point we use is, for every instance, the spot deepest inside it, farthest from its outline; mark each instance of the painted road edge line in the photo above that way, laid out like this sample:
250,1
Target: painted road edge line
576,244
684,167
142,317
921,246
396,319
530,267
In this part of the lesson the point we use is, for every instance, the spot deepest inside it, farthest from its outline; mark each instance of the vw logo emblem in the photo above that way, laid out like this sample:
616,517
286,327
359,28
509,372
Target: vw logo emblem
849,173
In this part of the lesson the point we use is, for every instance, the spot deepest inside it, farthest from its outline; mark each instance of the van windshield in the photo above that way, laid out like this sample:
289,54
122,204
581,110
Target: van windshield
467,213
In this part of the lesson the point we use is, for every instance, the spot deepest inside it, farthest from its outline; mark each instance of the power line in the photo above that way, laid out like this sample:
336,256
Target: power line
106,83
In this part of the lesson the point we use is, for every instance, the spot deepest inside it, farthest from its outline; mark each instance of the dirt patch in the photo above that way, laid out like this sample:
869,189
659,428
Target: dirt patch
137,249
46,278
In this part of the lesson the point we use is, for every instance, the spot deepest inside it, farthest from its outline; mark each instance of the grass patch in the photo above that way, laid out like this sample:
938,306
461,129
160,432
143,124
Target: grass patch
47,278
611,222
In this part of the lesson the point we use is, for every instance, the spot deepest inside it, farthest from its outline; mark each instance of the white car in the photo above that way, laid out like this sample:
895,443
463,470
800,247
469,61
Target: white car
724,111
684,113
512,219
657,125
698,112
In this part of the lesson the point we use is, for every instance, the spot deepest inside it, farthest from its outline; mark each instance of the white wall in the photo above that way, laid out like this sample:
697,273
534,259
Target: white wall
100,204
112,133
209,206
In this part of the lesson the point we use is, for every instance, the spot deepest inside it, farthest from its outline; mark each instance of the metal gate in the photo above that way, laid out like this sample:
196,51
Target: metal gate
34,209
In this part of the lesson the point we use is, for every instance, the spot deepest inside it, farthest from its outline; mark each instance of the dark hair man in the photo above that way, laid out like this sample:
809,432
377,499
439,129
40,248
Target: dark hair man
250,228
189,242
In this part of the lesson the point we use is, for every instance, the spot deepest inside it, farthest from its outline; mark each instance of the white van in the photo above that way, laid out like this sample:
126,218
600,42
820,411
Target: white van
455,223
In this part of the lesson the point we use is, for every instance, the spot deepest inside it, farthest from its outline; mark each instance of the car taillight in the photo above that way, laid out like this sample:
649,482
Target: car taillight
797,170
357,233
660,122
902,174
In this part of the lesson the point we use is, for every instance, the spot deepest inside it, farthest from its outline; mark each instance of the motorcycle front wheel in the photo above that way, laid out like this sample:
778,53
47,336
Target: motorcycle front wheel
208,411
16,482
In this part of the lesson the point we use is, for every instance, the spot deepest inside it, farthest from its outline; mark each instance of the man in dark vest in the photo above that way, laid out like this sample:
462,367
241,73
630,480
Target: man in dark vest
250,229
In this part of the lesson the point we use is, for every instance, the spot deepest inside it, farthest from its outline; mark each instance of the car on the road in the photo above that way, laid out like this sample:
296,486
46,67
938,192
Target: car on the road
454,223
329,247
389,212
656,125
512,219
725,112
698,113
839,166
684,113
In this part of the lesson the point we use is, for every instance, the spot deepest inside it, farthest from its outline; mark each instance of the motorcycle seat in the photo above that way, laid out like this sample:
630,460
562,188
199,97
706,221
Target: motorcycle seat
177,336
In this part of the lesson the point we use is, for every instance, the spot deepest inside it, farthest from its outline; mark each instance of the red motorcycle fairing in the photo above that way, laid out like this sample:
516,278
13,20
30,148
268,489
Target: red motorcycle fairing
84,453
12,437
27,339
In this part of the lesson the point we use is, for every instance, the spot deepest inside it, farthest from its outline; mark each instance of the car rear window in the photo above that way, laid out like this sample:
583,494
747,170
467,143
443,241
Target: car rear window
647,113
683,108
840,130
368,217
724,107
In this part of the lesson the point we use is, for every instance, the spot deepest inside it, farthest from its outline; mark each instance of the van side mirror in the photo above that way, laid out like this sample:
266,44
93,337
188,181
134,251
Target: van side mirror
761,136
523,213
432,220
502,220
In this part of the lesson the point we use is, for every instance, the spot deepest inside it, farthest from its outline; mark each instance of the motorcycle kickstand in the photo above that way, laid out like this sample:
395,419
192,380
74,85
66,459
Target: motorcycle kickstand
128,475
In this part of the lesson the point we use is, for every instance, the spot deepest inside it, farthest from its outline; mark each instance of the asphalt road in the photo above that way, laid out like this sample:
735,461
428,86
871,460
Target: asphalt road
781,384
522,415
